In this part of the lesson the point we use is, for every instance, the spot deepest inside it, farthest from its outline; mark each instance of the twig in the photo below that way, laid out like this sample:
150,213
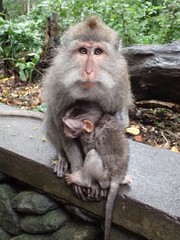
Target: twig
156,103
167,141
172,134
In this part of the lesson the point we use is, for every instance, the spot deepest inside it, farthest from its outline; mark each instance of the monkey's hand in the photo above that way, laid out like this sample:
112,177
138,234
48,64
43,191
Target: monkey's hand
61,167
80,192
96,193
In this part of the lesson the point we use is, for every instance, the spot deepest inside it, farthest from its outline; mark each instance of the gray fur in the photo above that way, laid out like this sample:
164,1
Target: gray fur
106,151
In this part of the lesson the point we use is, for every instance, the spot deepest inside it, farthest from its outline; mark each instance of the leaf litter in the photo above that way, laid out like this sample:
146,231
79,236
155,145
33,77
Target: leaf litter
159,127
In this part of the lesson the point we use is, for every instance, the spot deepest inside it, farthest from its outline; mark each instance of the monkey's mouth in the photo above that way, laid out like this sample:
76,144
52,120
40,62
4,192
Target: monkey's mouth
88,84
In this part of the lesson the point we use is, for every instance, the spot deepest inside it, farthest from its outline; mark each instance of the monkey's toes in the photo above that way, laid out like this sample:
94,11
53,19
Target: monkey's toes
68,179
127,180
94,193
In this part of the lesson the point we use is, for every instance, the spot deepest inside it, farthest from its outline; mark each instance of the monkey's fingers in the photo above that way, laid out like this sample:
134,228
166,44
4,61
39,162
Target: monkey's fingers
79,192
61,167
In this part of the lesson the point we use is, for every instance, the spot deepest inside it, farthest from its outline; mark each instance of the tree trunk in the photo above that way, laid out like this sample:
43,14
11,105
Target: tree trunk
50,47
2,10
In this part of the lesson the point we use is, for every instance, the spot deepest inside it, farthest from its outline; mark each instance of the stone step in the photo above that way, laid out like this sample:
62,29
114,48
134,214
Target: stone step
150,206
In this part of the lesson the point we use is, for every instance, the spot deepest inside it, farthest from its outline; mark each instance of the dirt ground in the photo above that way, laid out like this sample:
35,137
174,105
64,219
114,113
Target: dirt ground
159,127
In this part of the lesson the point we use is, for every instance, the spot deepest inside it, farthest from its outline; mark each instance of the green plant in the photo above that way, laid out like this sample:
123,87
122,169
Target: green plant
26,69
18,38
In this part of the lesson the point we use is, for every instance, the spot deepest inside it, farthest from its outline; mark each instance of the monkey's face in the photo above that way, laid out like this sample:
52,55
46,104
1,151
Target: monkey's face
72,132
90,67
90,56
73,128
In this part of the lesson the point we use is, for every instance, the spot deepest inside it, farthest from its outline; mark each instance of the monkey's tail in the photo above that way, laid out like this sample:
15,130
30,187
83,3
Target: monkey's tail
22,113
114,186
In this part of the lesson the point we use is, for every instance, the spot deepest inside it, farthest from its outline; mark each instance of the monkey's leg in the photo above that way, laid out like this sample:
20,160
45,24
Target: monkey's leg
94,167
90,171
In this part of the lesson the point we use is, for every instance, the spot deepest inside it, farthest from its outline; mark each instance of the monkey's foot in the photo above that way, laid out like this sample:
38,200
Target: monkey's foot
61,167
74,177
68,178
127,180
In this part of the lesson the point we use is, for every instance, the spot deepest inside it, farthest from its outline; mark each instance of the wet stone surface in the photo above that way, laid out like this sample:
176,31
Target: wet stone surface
150,206
59,223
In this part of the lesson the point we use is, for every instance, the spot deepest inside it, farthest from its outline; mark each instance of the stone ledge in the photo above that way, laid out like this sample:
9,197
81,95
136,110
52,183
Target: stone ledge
149,207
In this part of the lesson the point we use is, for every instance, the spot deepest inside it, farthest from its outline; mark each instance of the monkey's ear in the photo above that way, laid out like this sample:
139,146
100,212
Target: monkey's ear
88,126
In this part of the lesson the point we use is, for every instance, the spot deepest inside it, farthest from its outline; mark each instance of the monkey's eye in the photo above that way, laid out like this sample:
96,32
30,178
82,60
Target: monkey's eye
83,50
98,51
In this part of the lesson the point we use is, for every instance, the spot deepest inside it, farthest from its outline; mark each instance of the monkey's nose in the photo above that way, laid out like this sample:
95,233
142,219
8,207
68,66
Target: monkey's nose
90,76
89,68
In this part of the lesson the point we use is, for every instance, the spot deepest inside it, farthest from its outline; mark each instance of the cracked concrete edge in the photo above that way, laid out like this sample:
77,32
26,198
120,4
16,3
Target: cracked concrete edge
128,213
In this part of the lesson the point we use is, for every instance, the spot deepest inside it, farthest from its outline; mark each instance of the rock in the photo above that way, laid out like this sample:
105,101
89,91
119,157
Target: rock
3,177
4,235
46,223
155,71
25,236
33,202
9,220
80,213
76,230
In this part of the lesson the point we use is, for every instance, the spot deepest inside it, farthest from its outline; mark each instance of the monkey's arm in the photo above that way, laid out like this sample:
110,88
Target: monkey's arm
65,147
73,153
67,150
75,159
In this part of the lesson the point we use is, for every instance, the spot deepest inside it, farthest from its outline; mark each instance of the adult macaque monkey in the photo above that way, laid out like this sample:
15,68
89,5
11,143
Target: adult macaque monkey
89,67
106,149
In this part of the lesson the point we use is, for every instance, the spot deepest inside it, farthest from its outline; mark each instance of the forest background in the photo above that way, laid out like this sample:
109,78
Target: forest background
23,23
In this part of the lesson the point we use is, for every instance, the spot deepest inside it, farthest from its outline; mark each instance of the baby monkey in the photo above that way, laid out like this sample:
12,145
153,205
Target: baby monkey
106,152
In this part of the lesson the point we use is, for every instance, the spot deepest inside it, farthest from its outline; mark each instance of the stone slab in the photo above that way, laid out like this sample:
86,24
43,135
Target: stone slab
149,207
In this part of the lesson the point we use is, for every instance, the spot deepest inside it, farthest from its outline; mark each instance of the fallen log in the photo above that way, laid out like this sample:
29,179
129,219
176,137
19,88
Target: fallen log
158,104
